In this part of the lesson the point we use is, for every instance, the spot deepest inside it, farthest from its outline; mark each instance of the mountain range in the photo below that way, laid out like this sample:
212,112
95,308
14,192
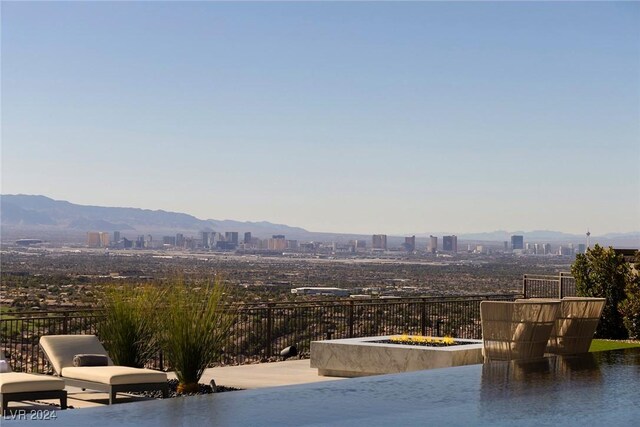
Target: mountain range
26,215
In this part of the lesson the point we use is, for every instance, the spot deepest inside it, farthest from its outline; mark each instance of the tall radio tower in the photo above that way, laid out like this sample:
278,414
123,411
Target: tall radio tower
588,239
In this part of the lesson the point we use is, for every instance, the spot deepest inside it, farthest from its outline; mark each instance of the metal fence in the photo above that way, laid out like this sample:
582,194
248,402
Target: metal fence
539,286
262,330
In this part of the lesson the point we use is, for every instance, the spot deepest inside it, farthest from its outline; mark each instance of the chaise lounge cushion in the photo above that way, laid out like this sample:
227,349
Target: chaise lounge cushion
114,375
61,349
20,382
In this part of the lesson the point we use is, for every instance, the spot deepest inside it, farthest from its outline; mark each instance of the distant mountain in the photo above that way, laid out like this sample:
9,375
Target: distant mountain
258,228
23,212
27,210
536,235
16,215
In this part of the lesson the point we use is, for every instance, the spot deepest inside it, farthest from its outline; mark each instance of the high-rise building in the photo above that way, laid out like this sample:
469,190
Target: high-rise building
180,240
565,251
247,238
410,244
206,239
98,239
93,239
517,242
506,246
582,248
190,243
231,237
433,244
116,236
450,243
379,241
277,243
169,240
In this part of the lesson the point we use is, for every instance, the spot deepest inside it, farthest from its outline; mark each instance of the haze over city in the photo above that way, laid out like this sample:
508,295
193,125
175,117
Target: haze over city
353,118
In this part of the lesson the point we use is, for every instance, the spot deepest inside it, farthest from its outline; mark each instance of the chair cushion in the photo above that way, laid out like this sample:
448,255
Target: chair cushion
60,349
114,374
90,360
4,364
19,382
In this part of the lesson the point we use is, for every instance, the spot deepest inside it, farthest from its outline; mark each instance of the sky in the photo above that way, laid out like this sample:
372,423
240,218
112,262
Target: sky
363,117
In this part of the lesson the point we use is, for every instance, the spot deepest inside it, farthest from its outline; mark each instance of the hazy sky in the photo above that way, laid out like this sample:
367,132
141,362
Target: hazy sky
359,117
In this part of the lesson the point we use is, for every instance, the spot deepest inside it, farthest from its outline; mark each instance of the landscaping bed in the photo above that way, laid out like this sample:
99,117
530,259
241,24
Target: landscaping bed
173,386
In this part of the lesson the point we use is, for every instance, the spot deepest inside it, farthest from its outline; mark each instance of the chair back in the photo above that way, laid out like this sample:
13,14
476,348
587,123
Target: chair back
60,349
517,330
575,326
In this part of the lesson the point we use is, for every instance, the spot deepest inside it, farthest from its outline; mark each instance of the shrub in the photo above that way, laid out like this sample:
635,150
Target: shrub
601,273
194,328
630,307
128,329
630,310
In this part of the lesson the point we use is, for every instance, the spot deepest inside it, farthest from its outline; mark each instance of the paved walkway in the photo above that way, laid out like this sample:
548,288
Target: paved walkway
258,375
262,375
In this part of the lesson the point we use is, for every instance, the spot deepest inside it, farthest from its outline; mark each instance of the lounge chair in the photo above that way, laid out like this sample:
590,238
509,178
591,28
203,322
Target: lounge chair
516,330
19,386
575,325
61,350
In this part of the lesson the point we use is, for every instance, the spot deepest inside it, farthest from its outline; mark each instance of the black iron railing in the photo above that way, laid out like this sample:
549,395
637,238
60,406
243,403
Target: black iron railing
262,330
539,286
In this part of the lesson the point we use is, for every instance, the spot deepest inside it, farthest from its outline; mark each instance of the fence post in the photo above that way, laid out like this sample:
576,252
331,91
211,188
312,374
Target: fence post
560,281
524,286
65,323
423,317
268,350
351,316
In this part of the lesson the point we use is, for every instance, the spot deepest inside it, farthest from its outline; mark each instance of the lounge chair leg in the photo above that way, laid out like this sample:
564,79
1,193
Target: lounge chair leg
112,397
165,391
5,404
63,401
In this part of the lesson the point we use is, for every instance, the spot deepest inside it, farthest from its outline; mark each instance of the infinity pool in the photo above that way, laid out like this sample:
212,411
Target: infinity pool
594,389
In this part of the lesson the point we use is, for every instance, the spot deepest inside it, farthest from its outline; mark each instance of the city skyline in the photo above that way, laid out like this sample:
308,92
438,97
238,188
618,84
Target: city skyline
38,213
346,118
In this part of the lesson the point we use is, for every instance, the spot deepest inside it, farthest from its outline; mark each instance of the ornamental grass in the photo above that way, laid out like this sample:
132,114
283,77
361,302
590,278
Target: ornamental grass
194,328
128,329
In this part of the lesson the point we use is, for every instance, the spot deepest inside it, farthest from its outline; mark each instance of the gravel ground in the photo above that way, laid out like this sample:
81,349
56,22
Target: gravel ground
173,385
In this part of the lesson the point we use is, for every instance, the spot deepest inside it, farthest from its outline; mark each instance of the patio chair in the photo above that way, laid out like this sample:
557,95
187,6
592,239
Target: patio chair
516,330
61,350
575,325
20,386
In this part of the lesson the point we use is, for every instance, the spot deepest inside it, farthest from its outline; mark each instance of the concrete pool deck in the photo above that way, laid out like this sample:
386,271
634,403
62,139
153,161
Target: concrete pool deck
253,376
